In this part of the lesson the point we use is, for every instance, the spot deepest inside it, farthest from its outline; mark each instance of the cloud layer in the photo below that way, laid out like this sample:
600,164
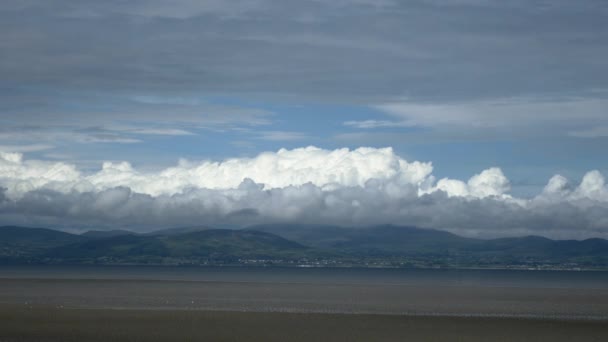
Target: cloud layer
356,187
330,49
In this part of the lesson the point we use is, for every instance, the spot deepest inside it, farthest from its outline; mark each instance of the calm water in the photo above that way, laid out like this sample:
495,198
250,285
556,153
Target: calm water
483,278
558,294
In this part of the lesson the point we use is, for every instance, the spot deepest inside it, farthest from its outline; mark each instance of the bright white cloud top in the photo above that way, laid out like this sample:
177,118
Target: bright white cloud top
345,187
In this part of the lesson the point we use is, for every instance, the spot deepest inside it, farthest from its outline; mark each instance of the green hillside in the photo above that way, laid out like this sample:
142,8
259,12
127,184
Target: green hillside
208,245
298,244
27,244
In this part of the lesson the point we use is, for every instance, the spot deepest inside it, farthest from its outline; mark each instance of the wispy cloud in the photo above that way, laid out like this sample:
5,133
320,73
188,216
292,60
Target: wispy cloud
102,135
500,112
367,124
282,135
594,132
576,117
26,148
155,131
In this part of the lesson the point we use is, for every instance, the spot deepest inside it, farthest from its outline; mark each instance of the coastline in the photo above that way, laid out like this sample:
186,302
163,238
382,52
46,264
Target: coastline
314,266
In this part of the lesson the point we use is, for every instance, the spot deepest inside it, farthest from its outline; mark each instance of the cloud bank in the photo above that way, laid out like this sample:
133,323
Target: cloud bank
304,48
356,187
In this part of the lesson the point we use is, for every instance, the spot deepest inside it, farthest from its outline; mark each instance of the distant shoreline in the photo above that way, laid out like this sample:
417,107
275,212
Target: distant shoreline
281,265
536,317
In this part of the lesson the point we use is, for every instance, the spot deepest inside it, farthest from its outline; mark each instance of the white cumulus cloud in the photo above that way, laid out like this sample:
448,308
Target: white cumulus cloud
323,168
490,182
363,186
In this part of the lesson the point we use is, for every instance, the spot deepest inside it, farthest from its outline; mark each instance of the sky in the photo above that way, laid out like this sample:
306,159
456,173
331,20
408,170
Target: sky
481,117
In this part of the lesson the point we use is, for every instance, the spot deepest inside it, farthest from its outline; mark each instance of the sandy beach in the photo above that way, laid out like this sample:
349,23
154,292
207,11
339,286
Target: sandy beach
54,324
128,304
301,297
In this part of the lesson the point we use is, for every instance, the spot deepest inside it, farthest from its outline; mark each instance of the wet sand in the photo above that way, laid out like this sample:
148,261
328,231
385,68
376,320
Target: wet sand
53,324
370,298
301,305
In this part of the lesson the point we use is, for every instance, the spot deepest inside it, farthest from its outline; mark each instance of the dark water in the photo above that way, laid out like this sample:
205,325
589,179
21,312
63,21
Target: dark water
558,294
352,276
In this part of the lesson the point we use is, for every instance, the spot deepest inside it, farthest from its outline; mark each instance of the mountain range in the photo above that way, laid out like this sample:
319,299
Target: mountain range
301,245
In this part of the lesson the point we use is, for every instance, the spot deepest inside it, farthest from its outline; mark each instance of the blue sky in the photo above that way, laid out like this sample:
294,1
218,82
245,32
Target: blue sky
242,77
456,152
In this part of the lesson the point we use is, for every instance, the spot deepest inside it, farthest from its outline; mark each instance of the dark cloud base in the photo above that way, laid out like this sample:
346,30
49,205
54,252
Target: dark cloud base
352,206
